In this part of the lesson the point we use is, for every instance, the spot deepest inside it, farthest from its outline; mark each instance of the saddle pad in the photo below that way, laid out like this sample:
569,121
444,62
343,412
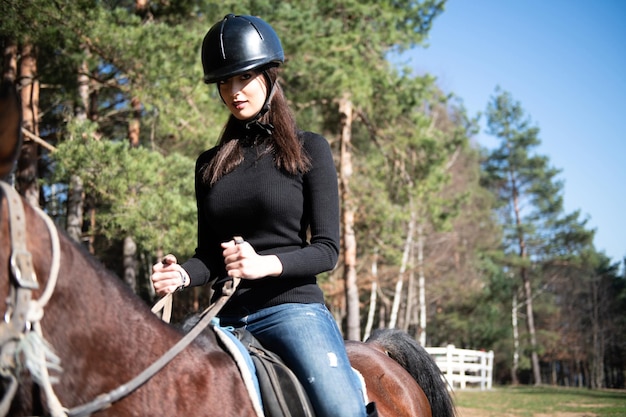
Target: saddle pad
244,362
359,376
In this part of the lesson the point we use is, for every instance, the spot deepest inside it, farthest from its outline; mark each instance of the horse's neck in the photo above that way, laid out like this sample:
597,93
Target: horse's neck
103,333
104,309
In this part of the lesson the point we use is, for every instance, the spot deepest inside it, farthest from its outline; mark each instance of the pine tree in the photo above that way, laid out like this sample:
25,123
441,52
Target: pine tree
531,206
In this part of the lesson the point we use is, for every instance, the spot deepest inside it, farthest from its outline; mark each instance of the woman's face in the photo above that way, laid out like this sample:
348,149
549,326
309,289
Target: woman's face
244,94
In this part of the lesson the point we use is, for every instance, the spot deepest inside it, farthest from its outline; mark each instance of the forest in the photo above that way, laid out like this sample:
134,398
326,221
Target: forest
452,242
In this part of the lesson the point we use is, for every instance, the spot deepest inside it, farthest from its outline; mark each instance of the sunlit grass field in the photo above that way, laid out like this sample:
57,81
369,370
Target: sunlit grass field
541,402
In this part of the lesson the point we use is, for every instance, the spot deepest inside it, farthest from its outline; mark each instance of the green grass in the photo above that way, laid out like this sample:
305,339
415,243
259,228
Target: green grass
542,401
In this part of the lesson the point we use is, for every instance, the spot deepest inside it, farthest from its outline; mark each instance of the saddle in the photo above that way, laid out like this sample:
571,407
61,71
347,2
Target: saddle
280,392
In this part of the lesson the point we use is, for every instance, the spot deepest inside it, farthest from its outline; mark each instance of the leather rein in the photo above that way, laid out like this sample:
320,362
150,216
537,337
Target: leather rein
24,314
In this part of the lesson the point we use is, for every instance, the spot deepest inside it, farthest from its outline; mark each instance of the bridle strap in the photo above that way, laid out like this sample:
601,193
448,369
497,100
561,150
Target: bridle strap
23,314
21,259
15,318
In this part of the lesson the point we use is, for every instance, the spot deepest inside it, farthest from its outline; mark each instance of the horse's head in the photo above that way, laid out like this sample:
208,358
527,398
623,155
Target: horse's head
10,127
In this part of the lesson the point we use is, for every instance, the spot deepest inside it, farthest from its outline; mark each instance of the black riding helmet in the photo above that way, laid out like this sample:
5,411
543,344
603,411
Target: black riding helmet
237,44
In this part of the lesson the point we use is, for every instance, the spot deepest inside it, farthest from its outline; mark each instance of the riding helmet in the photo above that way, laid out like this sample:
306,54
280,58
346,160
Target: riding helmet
237,44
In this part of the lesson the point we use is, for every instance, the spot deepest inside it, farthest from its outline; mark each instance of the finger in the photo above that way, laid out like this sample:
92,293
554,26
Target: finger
230,258
169,259
234,272
231,252
165,290
228,244
167,285
233,263
237,240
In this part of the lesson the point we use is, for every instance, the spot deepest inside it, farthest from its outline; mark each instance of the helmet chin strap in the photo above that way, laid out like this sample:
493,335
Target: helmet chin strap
254,122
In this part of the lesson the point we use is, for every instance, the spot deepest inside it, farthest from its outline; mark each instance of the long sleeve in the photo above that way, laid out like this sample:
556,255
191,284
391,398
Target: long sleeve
199,266
322,202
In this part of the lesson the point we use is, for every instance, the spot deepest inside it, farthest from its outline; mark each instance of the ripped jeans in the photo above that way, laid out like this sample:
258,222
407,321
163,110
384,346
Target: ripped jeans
307,338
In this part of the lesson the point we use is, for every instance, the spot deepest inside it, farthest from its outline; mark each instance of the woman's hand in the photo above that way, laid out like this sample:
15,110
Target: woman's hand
167,276
242,261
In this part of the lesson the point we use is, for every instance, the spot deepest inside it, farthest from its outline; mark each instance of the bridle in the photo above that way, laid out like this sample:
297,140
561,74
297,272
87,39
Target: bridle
23,316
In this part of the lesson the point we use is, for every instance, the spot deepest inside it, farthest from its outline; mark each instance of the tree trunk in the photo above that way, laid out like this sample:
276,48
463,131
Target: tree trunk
597,355
9,65
9,60
400,283
134,125
347,219
530,324
83,89
27,172
75,200
76,192
91,238
528,291
130,247
410,296
515,367
421,285
134,130
130,263
373,296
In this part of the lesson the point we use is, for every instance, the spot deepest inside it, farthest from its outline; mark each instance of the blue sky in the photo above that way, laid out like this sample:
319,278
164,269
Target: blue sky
565,62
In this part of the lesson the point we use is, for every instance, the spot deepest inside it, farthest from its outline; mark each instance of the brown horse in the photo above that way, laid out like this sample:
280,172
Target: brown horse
103,335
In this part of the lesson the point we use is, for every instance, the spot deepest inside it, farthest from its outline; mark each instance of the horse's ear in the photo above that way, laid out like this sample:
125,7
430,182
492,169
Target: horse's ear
10,127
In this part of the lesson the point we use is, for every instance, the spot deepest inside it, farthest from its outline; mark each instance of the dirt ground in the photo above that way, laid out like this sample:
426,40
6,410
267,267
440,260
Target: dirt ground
472,412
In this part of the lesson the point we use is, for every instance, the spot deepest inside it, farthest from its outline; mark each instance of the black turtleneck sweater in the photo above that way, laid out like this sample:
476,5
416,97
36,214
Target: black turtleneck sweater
295,217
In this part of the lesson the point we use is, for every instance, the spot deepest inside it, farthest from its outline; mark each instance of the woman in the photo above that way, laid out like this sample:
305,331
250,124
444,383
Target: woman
276,187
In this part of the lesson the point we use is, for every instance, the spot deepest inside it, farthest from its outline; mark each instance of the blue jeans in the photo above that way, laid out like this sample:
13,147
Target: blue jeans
307,338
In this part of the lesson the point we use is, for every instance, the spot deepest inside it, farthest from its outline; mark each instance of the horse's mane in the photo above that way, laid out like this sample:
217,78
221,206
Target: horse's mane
401,347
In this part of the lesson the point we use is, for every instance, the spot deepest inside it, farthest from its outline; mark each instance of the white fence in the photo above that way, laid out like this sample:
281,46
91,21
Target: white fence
464,368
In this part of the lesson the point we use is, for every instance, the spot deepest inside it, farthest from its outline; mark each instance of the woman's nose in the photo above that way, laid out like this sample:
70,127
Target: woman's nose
234,88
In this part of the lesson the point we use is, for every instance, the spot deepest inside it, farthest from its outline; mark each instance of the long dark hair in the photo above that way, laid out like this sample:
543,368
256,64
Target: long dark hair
283,142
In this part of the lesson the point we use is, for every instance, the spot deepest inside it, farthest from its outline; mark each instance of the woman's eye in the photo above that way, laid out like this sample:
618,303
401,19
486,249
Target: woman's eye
246,76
